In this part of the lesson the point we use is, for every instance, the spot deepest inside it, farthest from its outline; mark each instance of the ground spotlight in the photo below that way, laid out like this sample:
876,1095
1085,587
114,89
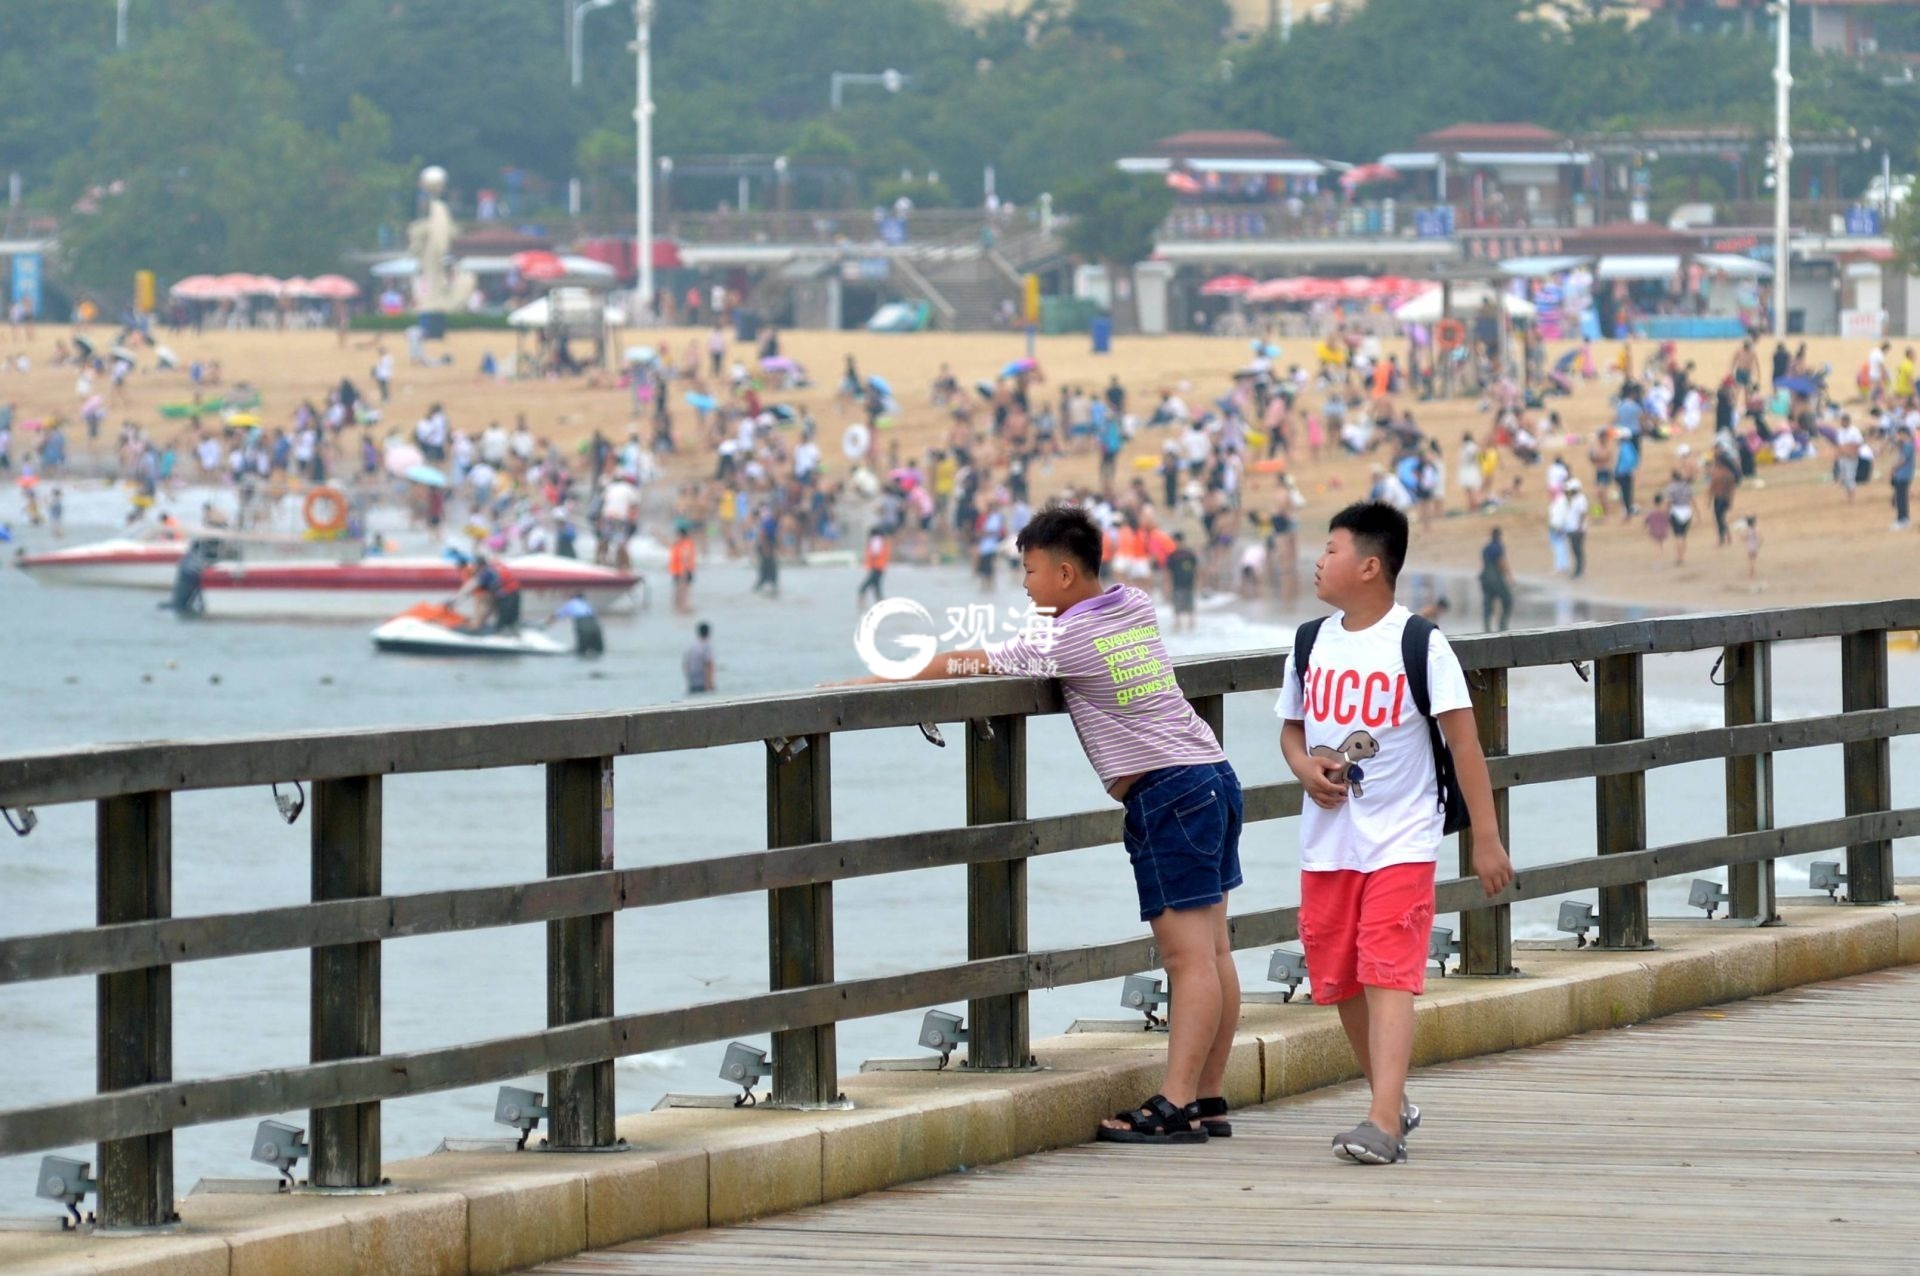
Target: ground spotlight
519,1108
280,1145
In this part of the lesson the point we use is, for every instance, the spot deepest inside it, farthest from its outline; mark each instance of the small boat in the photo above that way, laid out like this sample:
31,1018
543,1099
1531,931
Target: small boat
149,559
433,630
369,588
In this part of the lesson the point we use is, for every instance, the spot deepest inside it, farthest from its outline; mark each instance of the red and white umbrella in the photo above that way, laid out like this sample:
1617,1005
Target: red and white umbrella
261,286
538,264
297,287
332,288
1183,183
1227,286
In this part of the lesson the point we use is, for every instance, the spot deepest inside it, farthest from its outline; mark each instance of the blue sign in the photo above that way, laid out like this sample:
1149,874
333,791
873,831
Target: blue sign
26,279
1862,220
893,230
1433,223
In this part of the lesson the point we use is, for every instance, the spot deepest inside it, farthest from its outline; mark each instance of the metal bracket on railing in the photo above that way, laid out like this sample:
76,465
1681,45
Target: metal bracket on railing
27,822
982,729
1583,669
290,807
931,730
787,748
1713,673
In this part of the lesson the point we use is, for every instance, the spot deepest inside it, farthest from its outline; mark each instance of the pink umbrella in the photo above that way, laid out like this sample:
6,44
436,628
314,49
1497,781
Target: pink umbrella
297,287
538,264
1227,286
1183,183
332,288
1367,175
203,288
261,286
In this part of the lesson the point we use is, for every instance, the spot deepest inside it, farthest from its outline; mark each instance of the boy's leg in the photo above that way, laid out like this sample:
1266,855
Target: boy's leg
1187,941
1213,1073
1388,1019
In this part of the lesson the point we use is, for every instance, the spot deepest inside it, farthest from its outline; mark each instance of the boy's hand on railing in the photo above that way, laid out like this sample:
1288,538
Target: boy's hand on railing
1491,865
1317,778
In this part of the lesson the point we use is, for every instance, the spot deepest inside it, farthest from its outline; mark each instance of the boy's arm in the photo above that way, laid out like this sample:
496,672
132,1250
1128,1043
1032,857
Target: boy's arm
1315,774
1490,862
950,664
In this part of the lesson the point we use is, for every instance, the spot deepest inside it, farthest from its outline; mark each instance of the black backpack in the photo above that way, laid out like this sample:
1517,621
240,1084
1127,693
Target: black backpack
1414,641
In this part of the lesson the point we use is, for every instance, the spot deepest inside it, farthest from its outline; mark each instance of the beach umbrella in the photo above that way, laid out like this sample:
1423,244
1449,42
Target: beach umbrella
1227,286
124,355
700,402
538,264
578,267
783,412
776,363
296,287
402,457
426,476
1017,367
332,288
244,420
880,384
202,288
1183,183
1367,175
1797,385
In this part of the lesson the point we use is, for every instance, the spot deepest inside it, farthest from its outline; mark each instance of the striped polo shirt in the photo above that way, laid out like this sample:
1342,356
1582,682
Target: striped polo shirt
1118,683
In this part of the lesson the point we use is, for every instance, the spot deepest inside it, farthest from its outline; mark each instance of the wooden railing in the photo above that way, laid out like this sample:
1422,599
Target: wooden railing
132,950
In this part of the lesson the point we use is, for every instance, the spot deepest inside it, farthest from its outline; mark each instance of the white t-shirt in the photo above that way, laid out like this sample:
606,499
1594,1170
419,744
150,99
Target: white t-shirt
1360,703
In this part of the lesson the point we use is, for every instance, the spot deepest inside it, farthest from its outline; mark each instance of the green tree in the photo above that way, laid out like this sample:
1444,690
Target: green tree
1114,216
205,167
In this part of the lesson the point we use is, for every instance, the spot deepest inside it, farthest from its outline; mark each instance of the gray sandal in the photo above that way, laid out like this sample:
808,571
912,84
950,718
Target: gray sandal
1368,1144
1409,1117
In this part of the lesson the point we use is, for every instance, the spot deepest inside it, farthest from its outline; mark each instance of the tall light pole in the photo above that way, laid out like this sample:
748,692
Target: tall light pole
120,26
890,80
581,8
643,122
1782,162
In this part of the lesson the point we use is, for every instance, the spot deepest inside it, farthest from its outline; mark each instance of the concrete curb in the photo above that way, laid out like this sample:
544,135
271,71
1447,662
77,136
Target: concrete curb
498,1211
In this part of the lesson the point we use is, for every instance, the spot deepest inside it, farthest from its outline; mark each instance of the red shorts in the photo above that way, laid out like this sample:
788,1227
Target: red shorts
1366,929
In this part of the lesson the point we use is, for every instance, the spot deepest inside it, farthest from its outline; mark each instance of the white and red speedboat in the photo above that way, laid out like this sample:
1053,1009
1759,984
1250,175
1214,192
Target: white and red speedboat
150,558
379,587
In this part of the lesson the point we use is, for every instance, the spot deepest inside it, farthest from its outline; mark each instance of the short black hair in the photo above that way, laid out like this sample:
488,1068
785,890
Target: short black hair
704,630
1065,530
1379,530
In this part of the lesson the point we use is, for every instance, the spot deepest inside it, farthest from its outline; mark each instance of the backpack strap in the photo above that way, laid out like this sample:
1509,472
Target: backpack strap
1414,641
1303,651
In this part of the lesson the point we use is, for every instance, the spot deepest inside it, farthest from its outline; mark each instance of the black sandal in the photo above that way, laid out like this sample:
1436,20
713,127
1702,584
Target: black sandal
1211,1111
1155,1121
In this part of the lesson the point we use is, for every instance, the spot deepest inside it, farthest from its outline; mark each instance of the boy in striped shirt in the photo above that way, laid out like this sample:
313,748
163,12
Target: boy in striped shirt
1156,757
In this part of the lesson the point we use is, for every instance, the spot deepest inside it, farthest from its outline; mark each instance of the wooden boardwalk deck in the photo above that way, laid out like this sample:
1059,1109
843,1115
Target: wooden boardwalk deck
1780,1135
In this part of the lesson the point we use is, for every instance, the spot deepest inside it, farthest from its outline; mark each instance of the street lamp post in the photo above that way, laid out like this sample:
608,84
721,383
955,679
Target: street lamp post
643,171
1782,161
891,80
120,26
581,8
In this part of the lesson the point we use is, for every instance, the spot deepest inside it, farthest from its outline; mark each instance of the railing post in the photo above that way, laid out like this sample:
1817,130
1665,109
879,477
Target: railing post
1863,685
1748,698
1213,712
1621,809
1486,934
580,949
133,840
997,891
344,1001
800,918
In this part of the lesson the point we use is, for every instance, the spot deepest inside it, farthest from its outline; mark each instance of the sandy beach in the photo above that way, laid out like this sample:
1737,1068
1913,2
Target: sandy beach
1817,546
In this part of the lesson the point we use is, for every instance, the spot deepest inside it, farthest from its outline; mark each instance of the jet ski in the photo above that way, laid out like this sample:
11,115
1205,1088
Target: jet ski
435,630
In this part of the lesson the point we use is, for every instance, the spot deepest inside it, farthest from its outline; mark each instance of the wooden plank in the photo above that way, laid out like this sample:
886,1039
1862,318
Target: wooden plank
50,778
997,1026
800,918
580,1097
187,1103
344,990
133,877
1748,698
1621,800
1662,1183
1869,775
1212,710
1486,935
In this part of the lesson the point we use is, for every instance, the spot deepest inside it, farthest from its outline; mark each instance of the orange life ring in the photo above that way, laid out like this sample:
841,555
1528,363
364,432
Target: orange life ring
333,502
1449,334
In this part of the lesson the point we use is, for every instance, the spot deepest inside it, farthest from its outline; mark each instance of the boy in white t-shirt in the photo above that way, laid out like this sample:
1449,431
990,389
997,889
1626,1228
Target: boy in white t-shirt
1371,827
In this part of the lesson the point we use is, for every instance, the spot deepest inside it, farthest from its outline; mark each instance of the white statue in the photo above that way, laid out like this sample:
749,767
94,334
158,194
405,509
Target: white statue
438,287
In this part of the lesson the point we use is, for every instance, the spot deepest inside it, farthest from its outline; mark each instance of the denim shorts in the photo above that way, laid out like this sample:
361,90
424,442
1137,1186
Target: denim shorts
1183,836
